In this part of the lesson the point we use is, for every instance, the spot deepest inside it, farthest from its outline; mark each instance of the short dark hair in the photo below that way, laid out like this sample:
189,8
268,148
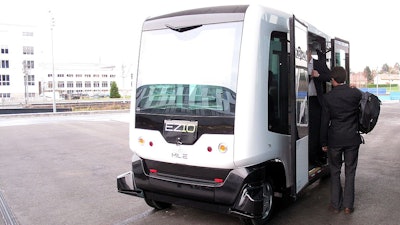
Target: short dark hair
339,74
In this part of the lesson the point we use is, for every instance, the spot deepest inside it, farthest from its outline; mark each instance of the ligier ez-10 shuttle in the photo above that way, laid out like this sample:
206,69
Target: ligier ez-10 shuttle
219,114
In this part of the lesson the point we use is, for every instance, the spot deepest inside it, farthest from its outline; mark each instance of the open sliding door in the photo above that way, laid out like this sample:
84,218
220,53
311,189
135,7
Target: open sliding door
341,55
298,86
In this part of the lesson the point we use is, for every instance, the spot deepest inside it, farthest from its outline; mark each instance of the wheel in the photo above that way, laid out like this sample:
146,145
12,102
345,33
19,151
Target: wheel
156,204
268,205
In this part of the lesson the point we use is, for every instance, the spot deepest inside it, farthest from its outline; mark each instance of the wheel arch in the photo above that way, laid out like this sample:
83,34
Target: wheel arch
275,170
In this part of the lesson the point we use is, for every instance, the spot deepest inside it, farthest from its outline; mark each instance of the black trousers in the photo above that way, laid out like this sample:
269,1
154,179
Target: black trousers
340,198
314,144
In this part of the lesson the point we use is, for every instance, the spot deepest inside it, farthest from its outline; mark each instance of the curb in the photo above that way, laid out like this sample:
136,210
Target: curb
49,114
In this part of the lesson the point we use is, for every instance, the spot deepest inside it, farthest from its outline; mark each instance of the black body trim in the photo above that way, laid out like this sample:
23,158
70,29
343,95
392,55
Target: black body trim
226,197
193,173
206,125
190,187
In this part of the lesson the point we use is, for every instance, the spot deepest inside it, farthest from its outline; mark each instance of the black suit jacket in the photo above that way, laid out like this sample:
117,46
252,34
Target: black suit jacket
324,76
339,123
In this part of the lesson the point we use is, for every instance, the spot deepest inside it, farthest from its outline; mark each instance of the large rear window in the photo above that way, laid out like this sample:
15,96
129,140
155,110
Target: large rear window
190,70
199,100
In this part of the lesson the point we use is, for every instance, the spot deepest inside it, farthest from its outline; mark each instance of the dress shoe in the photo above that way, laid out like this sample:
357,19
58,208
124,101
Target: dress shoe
333,209
348,210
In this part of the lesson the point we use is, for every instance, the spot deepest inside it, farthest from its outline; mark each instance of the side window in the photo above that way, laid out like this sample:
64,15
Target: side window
278,104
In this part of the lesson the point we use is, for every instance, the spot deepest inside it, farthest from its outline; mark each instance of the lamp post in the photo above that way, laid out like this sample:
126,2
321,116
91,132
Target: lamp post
52,58
25,71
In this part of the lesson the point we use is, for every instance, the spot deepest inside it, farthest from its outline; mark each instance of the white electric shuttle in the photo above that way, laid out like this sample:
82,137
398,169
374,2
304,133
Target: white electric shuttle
219,114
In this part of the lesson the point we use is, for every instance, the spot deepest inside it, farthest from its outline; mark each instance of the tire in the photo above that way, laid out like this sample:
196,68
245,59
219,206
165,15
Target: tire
156,204
268,208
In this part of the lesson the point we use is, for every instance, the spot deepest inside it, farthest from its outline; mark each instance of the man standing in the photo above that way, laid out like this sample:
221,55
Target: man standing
340,138
319,73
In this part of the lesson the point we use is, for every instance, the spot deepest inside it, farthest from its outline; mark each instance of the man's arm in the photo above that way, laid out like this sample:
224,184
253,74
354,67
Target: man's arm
323,70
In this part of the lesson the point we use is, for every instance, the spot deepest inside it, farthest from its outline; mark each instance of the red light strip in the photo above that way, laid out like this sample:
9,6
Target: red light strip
218,180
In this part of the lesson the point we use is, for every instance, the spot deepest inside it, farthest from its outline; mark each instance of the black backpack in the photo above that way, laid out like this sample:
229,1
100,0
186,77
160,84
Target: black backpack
370,107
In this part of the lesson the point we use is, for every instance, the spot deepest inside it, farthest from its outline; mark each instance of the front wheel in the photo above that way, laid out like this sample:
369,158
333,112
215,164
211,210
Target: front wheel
268,205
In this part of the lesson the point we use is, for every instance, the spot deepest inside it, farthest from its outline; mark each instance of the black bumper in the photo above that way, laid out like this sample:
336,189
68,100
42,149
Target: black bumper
239,192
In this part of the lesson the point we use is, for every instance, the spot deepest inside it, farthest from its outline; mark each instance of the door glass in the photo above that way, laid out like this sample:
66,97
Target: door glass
278,111
301,80
341,55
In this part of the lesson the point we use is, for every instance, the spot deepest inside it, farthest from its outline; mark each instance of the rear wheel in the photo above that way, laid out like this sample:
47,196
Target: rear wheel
156,204
268,205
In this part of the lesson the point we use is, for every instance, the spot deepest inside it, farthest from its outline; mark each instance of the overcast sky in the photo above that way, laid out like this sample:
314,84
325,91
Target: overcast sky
109,30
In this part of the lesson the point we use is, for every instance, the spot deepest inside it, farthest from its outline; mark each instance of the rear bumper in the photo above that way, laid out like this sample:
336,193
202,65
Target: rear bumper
240,193
125,185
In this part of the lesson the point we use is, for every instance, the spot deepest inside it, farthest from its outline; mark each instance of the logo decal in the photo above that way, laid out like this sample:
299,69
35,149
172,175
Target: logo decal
180,126
180,132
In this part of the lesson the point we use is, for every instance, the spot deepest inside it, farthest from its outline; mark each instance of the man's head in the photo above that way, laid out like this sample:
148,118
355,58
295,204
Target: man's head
338,74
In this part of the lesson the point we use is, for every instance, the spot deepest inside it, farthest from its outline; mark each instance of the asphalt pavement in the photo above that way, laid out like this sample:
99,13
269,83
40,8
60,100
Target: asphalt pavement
62,169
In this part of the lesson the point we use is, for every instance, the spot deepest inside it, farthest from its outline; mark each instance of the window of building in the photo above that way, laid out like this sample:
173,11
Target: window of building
79,84
60,84
104,84
5,64
4,50
96,84
50,84
96,75
29,64
87,75
104,75
70,84
27,50
4,80
88,84
31,80
112,76
49,75
60,75
78,75
5,95
70,75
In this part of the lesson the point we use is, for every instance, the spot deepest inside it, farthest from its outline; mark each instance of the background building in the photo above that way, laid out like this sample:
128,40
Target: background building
387,78
18,63
25,77
79,80
358,79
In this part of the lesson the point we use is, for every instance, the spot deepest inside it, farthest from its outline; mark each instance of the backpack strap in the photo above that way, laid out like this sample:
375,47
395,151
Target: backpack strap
362,138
